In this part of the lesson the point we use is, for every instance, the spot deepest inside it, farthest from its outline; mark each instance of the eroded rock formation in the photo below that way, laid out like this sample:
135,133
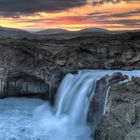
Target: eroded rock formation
122,119
22,84
50,59
98,102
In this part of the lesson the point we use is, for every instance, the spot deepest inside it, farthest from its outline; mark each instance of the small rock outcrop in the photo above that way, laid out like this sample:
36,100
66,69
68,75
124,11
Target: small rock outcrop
122,118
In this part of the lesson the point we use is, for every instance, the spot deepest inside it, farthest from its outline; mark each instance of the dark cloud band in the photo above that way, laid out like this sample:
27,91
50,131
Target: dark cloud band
99,2
18,7
15,8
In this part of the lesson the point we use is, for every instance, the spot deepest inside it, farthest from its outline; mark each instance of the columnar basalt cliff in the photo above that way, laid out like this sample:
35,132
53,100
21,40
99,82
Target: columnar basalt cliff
50,59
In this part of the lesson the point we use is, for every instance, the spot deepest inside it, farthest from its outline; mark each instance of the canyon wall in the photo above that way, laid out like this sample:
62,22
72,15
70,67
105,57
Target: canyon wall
35,67
46,61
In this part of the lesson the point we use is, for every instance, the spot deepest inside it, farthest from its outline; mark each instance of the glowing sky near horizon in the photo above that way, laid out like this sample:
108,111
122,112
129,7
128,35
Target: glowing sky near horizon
71,15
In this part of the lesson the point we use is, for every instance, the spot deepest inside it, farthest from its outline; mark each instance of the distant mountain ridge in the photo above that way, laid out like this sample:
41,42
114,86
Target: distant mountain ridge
61,31
94,30
52,31
13,32
58,33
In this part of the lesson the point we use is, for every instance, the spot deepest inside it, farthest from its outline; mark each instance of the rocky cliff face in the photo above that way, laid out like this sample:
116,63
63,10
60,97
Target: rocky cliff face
49,59
35,67
122,119
25,68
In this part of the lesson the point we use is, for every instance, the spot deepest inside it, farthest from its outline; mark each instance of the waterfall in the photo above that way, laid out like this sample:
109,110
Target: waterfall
76,95
79,106
79,96
73,96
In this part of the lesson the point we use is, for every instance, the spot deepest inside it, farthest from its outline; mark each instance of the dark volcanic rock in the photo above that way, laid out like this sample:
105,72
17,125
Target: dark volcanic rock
25,57
50,59
96,109
122,119
116,77
22,84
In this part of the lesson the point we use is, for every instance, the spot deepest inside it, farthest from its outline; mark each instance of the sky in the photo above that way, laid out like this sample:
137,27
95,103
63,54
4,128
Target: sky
37,15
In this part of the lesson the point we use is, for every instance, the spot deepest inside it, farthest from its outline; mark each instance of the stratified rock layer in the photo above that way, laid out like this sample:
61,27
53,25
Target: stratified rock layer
122,118
49,59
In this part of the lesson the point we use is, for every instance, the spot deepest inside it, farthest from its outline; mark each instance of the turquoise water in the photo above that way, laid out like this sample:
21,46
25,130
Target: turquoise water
34,119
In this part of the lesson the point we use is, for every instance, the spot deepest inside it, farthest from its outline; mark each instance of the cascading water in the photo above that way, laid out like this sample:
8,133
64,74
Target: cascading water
73,97
66,120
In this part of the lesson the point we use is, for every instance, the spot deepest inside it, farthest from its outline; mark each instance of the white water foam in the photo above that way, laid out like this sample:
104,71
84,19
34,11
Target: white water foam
21,119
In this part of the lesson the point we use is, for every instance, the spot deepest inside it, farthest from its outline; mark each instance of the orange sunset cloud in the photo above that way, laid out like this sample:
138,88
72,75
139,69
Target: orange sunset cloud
123,15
